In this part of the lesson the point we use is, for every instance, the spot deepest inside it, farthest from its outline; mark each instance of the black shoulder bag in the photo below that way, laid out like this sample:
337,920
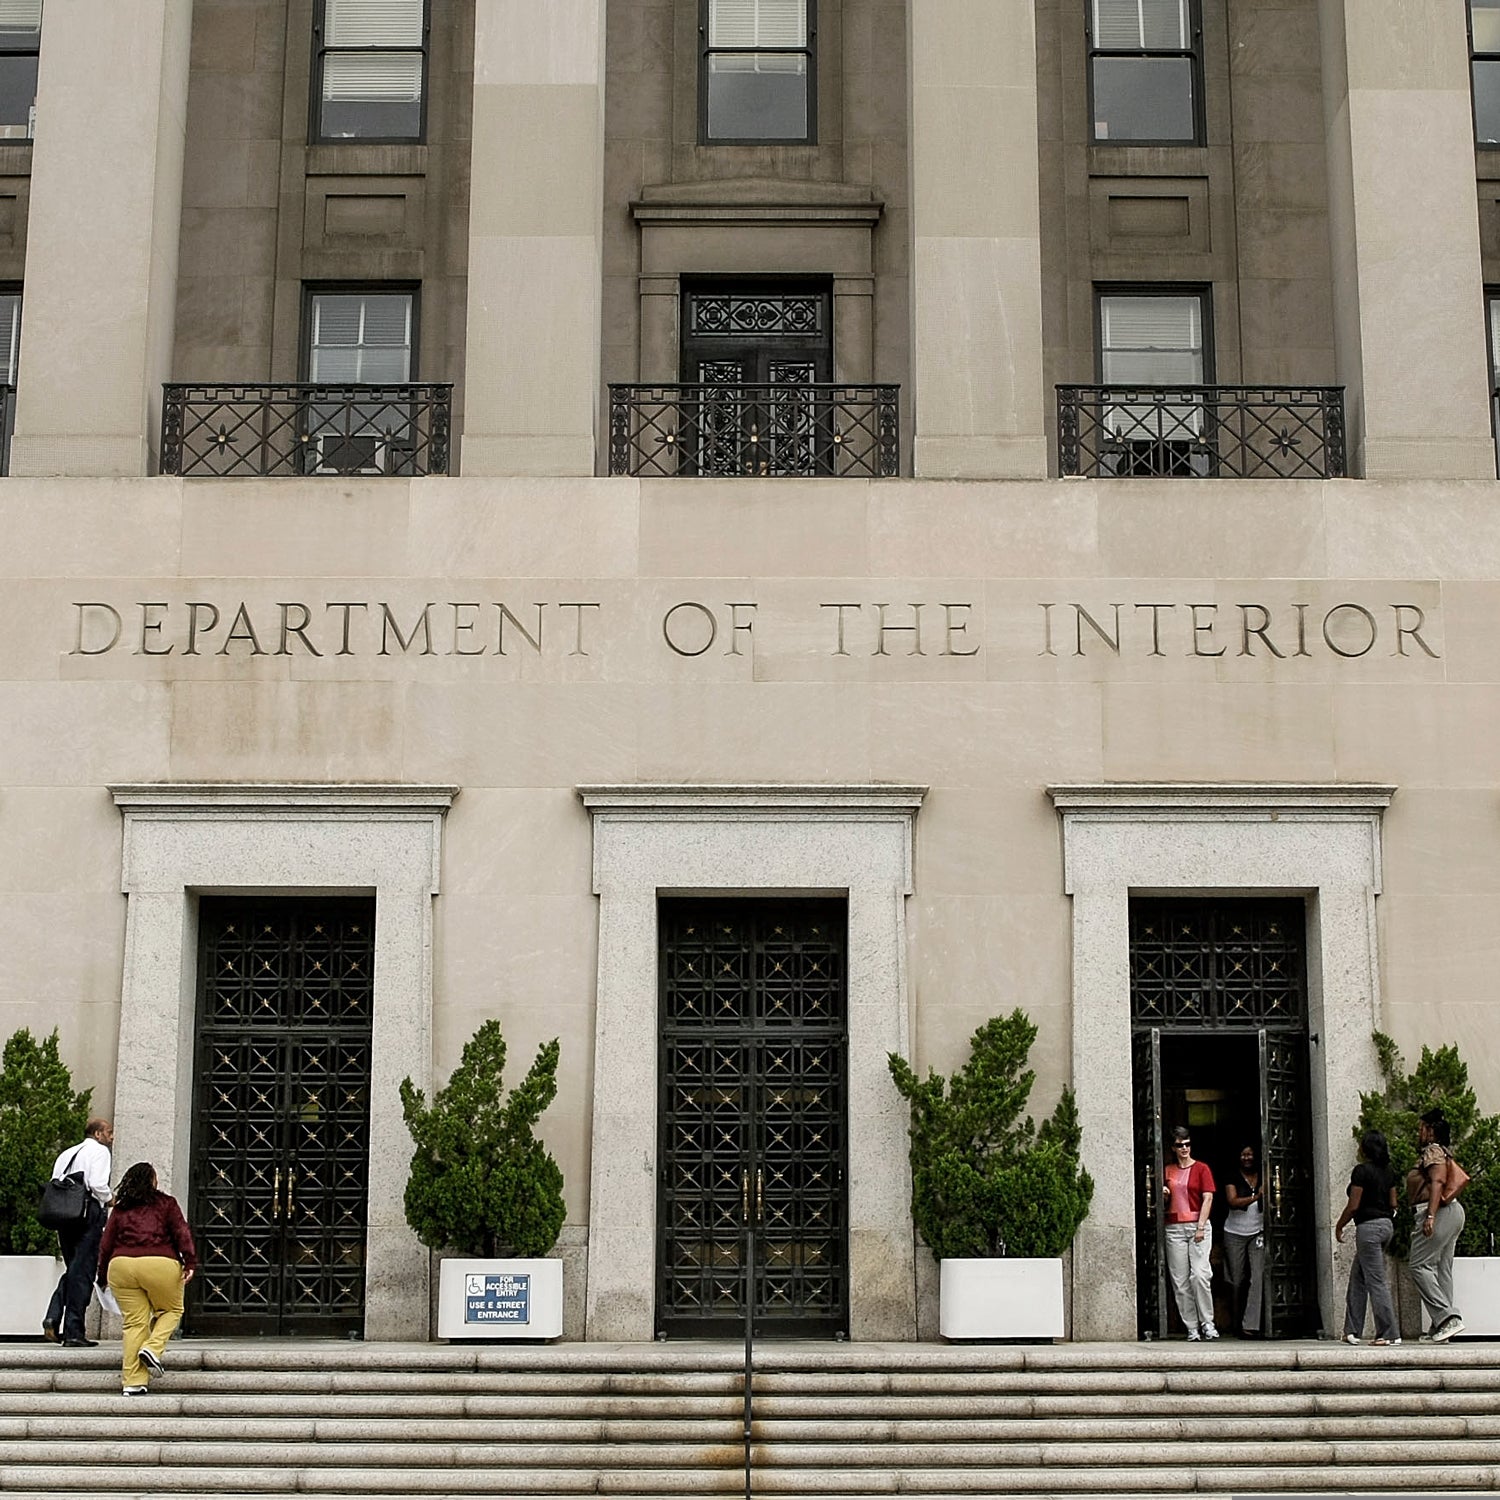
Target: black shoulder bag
65,1200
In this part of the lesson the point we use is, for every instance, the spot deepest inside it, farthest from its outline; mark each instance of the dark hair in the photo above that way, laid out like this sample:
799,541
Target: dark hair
1441,1132
137,1186
1373,1148
1181,1133
1253,1149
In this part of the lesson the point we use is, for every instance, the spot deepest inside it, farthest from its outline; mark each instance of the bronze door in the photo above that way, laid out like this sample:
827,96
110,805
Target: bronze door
1219,1013
281,1120
753,1119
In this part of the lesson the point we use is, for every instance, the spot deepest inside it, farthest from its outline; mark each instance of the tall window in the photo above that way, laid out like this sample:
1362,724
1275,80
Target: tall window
1145,71
1484,67
20,38
360,337
10,333
370,68
757,78
1492,308
1148,340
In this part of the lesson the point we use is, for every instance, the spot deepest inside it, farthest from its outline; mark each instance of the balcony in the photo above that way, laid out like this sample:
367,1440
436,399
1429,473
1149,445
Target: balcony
764,431
294,431
1200,432
7,424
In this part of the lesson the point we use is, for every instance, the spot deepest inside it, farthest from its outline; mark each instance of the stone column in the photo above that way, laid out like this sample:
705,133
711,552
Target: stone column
102,237
531,392
978,400
1403,215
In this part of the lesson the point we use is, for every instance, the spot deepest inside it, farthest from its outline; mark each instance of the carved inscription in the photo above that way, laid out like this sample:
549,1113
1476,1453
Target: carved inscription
1344,630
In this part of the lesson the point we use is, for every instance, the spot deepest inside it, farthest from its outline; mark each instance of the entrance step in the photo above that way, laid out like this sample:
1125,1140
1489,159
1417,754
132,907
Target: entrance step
851,1421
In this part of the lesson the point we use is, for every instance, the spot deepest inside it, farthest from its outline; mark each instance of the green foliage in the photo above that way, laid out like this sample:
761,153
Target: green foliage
985,1180
1439,1080
40,1116
481,1183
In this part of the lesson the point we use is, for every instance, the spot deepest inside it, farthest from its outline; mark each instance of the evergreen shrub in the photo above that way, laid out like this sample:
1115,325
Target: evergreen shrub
987,1182
481,1183
1440,1080
40,1116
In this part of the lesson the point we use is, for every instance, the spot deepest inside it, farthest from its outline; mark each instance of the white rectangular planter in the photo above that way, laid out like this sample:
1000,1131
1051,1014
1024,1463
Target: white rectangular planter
500,1299
1476,1290
1000,1299
26,1286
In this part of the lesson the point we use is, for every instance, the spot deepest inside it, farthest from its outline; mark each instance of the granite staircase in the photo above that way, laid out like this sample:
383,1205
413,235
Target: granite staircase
845,1420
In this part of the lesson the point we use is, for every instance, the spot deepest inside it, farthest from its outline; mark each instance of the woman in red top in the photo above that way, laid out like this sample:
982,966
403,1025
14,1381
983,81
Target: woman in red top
1188,1196
146,1258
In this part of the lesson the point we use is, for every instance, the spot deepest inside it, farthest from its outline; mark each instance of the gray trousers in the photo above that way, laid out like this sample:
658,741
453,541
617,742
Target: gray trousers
1432,1259
1367,1281
1190,1274
1245,1260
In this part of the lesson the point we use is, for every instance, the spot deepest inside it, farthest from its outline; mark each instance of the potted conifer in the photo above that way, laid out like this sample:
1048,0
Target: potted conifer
1441,1080
483,1187
996,1199
40,1116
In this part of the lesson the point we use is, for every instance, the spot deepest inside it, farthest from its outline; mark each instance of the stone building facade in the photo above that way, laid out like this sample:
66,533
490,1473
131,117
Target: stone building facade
942,506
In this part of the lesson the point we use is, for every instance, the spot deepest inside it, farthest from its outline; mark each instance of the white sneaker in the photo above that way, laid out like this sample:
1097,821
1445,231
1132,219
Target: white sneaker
1447,1328
1209,1331
152,1363
1193,1336
1351,1338
134,1390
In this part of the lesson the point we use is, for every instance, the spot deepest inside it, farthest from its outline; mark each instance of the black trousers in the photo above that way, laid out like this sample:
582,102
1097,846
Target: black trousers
80,1250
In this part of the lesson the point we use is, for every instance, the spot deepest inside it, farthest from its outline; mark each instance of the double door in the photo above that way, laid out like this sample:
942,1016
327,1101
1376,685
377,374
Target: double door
281,1120
752,1203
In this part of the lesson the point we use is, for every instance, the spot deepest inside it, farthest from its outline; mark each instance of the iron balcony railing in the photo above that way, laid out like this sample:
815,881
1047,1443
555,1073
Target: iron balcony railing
711,431
1201,431
7,424
229,431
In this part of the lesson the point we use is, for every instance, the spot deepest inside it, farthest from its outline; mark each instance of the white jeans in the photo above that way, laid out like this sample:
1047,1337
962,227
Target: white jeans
1191,1274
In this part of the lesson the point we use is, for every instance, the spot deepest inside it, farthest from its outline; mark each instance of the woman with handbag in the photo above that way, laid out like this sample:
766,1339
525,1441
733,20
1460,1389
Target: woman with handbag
146,1259
1372,1206
1432,1186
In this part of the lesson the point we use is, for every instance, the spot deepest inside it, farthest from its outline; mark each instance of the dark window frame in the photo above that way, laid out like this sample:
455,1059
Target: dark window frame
1202,290
314,289
1492,350
809,51
16,289
1193,52
1476,56
28,44
315,134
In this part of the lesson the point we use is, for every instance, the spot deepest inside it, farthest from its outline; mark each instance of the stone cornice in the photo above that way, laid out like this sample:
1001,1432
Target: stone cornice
752,799
298,799
1222,798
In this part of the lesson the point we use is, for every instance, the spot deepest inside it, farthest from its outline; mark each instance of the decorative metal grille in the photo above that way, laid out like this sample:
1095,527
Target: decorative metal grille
1201,431
1218,963
718,428
1287,1150
229,431
753,1103
733,315
280,1156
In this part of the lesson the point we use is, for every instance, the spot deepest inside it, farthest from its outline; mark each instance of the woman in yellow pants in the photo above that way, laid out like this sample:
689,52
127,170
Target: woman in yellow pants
146,1258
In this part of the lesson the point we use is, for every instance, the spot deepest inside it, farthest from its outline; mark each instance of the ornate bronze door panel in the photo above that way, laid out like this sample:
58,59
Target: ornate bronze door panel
1228,967
281,1118
753,1118
1291,1267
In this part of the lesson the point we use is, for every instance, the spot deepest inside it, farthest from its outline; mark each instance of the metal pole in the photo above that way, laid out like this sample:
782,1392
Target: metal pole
749,1253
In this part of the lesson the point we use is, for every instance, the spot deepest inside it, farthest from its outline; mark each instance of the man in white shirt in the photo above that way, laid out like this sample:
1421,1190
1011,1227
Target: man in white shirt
80,1246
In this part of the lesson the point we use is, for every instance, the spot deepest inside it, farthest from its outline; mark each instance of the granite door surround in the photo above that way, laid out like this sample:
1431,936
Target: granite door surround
799,839
1316,840
183,840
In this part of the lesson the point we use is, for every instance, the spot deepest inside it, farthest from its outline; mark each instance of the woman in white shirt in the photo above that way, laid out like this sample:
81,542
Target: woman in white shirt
1245,1241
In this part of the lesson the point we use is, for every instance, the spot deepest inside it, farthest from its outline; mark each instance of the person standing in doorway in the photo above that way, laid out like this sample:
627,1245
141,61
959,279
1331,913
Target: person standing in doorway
1245,1241
1436,1227
1372,1206
146,1258
80,1246
1189,1196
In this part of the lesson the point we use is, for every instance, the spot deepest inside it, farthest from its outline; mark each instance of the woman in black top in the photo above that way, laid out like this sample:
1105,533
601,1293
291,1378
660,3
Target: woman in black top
1372,1206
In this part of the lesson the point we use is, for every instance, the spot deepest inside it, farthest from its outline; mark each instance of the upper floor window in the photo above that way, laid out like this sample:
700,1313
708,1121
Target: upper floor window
370,64
10,333
1145,71
359,336
1484,66
756,82
20,39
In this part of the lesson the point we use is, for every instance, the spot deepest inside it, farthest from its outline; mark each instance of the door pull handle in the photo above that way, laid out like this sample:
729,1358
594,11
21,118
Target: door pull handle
276,1196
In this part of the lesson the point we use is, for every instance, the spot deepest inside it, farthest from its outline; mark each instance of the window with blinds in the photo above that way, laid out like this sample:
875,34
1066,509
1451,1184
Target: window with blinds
756,80
371,66
1145,71
20,39
1149,340
360,337
10,335
1484,69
